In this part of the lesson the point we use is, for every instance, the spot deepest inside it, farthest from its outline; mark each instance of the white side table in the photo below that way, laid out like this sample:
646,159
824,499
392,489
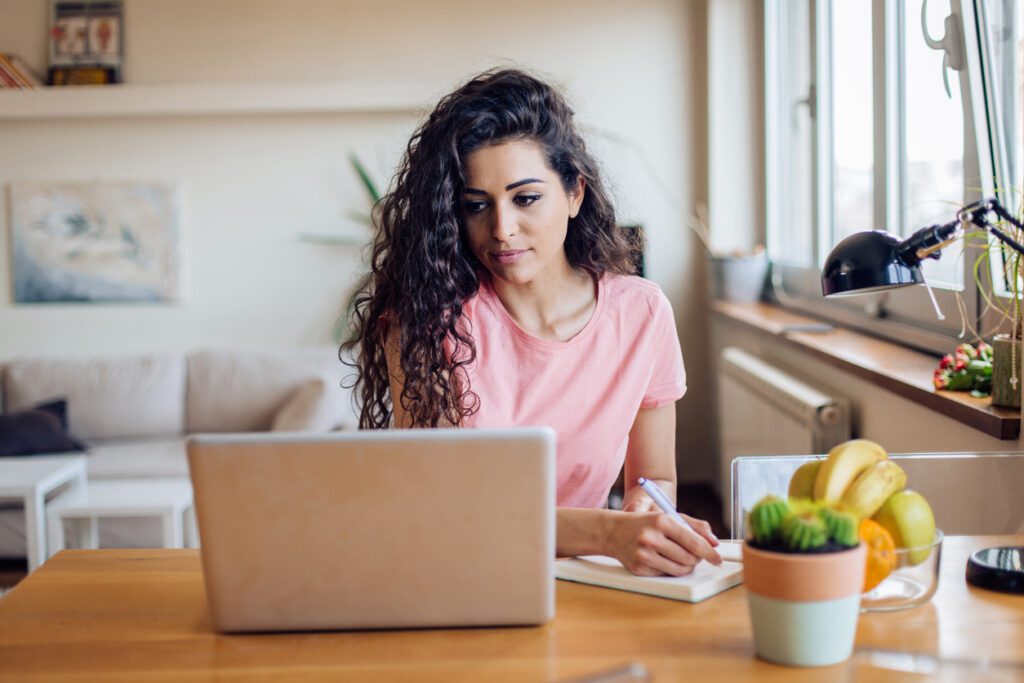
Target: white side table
168,499
29,479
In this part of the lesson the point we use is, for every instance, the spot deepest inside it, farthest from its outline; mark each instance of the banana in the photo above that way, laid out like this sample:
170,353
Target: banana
844,464
872,488
801,485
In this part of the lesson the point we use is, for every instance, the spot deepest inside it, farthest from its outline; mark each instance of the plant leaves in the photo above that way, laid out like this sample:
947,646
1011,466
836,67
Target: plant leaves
371,188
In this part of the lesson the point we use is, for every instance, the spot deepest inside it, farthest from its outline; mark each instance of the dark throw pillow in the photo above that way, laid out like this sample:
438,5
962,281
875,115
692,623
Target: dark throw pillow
39,430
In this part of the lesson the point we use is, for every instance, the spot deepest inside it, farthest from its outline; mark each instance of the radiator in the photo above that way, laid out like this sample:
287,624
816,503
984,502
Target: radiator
765,411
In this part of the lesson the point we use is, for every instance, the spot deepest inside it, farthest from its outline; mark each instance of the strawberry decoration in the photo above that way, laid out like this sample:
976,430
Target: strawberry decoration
968,368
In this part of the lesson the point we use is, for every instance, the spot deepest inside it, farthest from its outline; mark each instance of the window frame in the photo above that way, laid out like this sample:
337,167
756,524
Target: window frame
905,315
1000,160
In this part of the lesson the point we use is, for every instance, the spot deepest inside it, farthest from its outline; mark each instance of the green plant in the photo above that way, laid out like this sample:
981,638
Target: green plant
373,197
997,271
766,519
841,527
1008,309
372,193
804,531
800,526
968,368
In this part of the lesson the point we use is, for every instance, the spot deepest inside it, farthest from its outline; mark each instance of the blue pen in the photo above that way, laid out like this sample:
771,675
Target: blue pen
662,501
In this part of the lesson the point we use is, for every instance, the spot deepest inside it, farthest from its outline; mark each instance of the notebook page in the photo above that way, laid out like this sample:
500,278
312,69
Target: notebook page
705,581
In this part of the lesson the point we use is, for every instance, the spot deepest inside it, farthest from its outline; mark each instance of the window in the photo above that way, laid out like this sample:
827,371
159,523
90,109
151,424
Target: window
1002,29
889,114
852,111
792,67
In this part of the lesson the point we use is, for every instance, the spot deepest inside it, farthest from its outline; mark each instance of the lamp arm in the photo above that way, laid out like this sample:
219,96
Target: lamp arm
977,214
1005,239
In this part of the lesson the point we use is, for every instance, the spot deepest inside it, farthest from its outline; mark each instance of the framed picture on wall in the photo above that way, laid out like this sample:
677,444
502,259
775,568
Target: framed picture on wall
86,35
90,242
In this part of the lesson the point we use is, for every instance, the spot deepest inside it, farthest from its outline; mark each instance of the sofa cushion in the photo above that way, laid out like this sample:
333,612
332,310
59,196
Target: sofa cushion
306,410
106,398
237,391
42,429
137,459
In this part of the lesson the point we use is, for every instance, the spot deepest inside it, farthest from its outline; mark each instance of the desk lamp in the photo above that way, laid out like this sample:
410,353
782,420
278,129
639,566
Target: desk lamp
874,261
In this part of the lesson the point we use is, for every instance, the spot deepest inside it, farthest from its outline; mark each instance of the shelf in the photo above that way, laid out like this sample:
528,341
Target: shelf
211,99
895,368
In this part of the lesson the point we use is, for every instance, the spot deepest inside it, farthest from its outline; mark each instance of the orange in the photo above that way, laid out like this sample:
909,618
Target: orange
881,552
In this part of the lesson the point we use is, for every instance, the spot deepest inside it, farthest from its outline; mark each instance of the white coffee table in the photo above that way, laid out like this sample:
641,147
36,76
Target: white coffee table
168,499
30,479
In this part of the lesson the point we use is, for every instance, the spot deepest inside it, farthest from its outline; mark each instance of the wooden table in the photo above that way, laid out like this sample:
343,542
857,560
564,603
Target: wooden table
140,615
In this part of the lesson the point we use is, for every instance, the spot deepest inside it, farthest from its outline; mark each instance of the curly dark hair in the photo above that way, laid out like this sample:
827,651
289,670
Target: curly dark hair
422,270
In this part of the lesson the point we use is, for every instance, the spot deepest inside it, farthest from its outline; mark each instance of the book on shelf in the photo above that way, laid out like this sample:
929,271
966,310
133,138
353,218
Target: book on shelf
15,73
7,81
30,74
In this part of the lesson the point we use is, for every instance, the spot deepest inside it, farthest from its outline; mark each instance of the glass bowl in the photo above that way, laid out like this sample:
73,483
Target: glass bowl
912,582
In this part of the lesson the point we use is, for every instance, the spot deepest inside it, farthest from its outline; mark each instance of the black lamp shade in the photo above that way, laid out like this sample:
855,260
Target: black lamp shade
866,262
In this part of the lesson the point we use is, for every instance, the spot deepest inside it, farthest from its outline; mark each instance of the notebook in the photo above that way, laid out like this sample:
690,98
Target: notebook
705,581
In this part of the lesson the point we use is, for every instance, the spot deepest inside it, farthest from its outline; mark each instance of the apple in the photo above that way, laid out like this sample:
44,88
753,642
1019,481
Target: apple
908,517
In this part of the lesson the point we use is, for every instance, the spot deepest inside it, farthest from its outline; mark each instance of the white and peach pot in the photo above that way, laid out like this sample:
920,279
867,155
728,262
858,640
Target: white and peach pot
804,607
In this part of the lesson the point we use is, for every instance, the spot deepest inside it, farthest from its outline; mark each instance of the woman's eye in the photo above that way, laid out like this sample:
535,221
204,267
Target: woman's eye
474,207
526,199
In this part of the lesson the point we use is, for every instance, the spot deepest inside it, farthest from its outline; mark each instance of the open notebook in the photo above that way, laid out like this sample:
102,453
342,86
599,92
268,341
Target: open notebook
705,581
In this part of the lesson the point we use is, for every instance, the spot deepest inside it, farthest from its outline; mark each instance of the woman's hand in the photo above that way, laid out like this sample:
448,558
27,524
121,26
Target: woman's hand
649,543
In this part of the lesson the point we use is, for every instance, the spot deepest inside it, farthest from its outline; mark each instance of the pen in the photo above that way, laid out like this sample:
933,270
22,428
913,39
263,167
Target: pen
662,501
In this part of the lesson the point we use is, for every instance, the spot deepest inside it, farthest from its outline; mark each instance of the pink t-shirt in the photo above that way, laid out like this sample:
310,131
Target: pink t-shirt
588,389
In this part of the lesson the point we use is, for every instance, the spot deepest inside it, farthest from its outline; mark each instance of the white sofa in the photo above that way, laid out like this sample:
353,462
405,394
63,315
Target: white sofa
134,413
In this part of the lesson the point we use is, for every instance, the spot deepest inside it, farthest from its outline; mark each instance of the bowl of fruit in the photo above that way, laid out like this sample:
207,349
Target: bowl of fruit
895,524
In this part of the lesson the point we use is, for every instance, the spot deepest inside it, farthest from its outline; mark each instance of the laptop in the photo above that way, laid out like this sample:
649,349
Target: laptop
376,529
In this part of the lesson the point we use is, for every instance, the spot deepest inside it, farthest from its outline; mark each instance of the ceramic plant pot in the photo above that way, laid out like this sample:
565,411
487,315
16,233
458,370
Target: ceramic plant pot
1006,356
804,607
739,278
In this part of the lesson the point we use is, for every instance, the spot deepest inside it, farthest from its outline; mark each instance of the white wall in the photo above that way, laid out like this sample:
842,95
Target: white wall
249,184
735,104
900,424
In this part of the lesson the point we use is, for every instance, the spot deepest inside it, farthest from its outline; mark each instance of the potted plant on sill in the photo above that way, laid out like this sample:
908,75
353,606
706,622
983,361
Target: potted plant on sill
1004,355
803,566
1006,347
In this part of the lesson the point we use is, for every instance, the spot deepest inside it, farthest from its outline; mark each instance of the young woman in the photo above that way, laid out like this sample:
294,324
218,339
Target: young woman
501,294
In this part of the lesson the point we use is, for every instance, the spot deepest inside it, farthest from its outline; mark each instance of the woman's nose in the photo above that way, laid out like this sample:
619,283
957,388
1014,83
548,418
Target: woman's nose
504,224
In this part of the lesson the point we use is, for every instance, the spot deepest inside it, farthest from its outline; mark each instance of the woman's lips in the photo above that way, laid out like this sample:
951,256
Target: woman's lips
507,257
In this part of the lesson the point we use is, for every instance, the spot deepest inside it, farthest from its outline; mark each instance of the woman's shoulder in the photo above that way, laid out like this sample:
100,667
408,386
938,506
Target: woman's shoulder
632,292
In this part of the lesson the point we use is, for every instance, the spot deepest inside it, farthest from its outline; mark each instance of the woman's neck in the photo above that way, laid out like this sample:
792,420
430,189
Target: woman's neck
556,307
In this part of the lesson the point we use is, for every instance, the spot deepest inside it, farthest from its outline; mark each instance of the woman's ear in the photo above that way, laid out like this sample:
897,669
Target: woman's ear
576,196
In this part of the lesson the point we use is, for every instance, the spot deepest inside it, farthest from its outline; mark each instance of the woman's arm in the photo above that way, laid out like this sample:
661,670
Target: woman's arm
396,378
651,453
400,418
645,540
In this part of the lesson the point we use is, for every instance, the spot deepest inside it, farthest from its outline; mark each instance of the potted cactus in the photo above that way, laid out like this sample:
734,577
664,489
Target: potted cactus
803,566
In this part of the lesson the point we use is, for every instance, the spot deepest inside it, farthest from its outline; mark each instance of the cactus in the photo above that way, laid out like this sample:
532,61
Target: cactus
841,526
766,519
804,532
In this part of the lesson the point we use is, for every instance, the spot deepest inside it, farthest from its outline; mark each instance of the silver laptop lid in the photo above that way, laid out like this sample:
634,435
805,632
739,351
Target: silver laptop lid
376,529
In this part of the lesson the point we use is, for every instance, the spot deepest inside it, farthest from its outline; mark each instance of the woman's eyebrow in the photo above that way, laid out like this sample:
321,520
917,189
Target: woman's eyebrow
518,183
524,181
